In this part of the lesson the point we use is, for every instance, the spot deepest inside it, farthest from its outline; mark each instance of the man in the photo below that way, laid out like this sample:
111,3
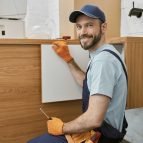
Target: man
104,84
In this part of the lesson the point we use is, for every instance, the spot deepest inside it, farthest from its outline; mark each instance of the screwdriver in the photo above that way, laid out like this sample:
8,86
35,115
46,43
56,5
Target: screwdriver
49,118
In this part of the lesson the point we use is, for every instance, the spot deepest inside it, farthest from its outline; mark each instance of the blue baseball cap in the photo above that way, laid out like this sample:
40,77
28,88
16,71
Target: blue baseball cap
89,10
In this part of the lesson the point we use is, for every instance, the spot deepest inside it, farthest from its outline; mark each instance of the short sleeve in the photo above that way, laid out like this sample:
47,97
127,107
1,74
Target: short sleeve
102,78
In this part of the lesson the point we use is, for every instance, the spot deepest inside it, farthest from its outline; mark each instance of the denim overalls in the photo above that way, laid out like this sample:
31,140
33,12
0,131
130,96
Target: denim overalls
108,133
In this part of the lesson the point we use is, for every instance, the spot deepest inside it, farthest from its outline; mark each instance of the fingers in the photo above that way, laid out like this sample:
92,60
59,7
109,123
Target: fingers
61,49
55,126
55,47
60,43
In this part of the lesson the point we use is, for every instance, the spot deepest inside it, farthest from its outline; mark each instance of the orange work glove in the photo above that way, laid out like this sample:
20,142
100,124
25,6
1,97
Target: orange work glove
81,137
61,48
86,137
95,136
55,126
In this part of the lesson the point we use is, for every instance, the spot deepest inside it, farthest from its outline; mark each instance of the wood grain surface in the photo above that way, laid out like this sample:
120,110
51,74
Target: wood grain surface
20,95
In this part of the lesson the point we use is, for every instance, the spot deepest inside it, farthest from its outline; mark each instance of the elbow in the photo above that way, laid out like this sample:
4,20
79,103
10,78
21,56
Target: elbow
97,124
80,80
94,124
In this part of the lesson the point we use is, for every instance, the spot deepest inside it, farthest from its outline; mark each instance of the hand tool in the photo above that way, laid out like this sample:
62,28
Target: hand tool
49,118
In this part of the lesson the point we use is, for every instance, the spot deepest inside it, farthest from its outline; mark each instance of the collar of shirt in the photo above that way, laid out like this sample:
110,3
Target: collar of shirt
97,51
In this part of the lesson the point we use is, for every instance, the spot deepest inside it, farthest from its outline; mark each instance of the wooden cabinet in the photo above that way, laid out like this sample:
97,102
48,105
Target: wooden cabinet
133,54
20,87
20,92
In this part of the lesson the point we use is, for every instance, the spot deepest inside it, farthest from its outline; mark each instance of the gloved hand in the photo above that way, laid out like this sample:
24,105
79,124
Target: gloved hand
61,49
86,137
81,137
55,126
95,136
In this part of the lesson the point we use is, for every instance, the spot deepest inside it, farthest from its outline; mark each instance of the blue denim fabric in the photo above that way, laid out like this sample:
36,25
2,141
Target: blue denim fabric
47,138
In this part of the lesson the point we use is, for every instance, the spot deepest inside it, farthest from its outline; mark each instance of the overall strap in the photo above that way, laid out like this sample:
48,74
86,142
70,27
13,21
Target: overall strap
113,53
125,124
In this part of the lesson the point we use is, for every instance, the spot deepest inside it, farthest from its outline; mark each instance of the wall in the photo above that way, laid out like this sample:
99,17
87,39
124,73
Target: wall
12,13
13,8
42,19
66,28
111,8
112,11
49,19
39,14
131,25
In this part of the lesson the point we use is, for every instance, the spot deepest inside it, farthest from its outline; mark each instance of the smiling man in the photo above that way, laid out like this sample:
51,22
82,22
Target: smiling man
104,84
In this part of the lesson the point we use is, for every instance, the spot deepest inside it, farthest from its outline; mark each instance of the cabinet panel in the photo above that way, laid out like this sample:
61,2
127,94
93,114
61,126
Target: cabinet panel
58,84
20,94
134,61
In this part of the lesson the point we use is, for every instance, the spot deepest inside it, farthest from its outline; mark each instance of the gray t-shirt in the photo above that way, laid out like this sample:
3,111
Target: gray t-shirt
106,76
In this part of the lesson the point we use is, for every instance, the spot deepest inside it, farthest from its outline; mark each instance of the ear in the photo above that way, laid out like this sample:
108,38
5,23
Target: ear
104,27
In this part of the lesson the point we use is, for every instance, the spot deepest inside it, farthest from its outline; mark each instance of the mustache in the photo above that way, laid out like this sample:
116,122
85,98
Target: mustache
85,36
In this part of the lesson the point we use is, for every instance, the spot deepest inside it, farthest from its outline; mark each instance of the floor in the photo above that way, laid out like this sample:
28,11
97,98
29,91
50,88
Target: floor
125,141
135,125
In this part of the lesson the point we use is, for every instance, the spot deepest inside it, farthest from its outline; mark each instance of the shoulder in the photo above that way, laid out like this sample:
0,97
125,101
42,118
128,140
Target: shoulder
105,56
107,63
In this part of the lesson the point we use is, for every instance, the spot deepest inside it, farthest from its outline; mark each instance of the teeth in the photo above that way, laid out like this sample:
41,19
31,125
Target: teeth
85,38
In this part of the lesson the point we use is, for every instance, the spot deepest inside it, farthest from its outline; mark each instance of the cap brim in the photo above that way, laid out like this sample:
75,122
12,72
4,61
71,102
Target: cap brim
73,16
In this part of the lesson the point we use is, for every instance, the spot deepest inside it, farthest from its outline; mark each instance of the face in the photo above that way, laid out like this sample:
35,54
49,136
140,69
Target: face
89,31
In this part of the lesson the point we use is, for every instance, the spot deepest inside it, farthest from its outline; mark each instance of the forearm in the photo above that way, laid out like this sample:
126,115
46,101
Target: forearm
81,124
76,71
92,118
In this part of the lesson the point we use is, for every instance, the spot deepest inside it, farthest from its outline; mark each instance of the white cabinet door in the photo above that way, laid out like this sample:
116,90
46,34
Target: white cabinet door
57,82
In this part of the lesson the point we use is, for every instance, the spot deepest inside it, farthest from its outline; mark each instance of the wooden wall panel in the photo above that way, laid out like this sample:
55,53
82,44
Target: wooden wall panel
20,95
134,61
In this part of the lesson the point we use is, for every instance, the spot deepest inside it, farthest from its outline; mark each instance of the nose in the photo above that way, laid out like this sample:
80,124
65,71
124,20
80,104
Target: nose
82,31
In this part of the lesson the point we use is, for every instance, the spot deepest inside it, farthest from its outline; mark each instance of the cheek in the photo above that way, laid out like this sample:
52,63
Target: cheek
99,31
78,34
94,31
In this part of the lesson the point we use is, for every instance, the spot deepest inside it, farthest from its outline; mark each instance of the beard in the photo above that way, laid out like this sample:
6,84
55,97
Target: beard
94,41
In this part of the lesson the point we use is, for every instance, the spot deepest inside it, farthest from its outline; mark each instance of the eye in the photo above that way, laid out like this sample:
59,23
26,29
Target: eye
78,27
90,25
